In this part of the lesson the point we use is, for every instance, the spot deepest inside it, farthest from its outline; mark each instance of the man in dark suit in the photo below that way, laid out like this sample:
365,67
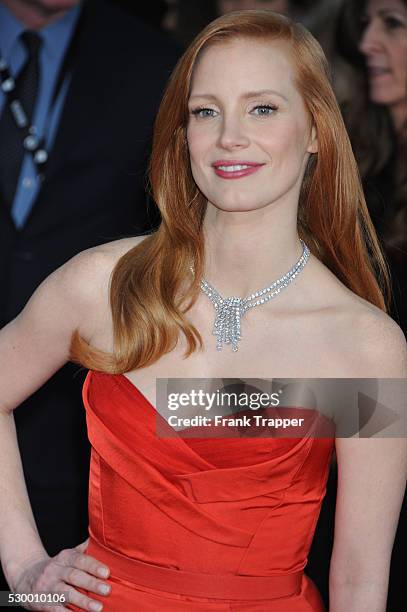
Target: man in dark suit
108,72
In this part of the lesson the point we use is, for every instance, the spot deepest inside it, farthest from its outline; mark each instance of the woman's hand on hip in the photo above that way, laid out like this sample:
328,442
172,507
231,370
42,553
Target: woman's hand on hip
70,568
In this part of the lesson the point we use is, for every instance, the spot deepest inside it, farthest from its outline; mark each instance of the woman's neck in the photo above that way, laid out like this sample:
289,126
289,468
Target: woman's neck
247,251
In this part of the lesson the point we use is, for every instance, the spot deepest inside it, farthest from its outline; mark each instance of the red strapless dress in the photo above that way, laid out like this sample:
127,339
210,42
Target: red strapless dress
198,525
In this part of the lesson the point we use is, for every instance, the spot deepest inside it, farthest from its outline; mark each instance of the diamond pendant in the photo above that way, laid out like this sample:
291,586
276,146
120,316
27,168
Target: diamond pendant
227,322
229,311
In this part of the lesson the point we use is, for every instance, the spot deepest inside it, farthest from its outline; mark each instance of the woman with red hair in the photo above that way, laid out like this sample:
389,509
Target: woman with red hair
260,199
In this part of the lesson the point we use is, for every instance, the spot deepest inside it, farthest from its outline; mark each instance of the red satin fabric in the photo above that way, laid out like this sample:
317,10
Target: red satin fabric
199,525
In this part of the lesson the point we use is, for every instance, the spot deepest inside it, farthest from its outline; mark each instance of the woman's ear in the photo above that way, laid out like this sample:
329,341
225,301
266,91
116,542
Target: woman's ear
313,142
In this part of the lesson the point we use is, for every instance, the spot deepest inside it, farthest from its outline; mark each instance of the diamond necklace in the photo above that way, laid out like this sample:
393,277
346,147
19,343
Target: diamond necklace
229,311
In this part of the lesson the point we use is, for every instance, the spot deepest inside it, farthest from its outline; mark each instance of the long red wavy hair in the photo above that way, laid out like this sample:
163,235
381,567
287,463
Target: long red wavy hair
148,298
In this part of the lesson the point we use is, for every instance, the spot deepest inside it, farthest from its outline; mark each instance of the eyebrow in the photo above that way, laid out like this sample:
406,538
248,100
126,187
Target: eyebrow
245,96
385,11
390,10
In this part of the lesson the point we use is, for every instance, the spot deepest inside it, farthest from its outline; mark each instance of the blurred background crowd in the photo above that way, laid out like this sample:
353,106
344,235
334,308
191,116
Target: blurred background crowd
88,77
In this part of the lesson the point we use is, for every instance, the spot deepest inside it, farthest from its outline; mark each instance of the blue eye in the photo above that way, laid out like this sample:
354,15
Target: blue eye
203,112
264,110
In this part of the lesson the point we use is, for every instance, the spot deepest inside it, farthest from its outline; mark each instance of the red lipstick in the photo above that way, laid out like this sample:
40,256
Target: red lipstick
233,168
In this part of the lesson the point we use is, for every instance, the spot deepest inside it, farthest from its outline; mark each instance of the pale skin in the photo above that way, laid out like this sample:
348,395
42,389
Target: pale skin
316,327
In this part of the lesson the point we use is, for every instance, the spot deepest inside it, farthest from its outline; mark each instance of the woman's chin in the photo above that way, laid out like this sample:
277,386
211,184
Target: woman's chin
239,205
238,208
381,96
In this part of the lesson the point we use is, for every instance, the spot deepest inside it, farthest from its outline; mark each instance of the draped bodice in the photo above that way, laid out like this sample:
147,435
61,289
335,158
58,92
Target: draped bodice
212,505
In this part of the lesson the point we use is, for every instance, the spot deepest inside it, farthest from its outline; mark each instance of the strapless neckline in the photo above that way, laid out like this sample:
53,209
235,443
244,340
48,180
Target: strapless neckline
192,445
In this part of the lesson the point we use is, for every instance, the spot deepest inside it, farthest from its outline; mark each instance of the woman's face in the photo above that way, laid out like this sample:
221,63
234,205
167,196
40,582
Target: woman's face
384,45
249,133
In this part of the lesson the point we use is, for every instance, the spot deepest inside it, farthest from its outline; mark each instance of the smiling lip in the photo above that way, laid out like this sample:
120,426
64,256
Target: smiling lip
376,71
232,169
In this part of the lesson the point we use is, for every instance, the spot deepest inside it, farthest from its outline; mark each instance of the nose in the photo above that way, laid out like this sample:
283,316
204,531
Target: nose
371,39
233,134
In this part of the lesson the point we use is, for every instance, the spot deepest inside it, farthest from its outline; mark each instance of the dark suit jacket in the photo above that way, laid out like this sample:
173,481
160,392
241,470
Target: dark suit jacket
93,193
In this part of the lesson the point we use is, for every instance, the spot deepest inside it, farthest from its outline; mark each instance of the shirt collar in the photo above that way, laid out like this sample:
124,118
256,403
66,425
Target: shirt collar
56,36
10,30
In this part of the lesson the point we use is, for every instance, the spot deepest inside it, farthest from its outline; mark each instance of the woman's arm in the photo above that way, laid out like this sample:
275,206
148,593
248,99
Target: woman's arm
32,347
371,482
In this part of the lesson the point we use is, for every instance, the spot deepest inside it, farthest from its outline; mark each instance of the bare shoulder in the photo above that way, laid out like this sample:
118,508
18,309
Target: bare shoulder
365,341
108,253
37,342
88,275
376,342
115,249
97,263
382,343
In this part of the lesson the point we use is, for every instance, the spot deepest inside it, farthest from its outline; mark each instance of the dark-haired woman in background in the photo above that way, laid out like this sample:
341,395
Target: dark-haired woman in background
372,36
